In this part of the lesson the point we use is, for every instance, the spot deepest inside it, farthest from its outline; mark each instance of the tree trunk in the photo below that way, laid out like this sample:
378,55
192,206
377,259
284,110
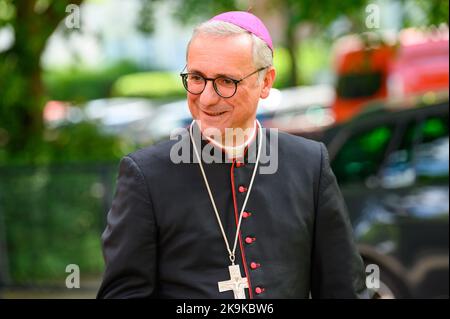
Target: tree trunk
292,49
21,119
291,46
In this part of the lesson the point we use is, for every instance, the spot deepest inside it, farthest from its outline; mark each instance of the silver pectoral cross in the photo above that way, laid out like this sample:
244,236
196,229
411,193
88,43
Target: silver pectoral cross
236,283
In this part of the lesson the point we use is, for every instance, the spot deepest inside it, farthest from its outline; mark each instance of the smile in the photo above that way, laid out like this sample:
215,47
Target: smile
214,113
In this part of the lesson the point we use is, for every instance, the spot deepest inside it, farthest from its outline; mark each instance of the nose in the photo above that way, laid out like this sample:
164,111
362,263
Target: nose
209,96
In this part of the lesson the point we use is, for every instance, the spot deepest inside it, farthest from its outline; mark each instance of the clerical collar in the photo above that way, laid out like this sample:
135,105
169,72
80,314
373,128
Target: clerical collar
236,151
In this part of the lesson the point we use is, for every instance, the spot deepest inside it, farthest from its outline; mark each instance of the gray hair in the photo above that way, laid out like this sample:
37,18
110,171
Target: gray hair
262,54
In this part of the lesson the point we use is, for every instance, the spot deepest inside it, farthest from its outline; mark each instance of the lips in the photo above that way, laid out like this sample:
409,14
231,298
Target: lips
214,113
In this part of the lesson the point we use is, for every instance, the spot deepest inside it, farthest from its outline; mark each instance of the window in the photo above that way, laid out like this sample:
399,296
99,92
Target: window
431,155
362,155
358,85
423,154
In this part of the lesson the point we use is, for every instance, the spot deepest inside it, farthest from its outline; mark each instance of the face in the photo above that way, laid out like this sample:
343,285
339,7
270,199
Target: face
230,56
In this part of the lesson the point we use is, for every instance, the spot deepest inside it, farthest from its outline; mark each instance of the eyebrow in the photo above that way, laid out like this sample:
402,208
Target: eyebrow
216,75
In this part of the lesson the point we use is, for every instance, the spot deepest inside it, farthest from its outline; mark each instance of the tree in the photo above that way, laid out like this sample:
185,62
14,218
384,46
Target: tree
33,21
22,92
315,15
295,14
435,12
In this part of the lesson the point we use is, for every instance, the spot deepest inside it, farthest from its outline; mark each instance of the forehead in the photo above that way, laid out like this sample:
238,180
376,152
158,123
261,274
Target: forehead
217,55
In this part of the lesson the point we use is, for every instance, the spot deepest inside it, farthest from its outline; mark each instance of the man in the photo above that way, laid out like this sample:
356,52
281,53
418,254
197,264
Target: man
222,228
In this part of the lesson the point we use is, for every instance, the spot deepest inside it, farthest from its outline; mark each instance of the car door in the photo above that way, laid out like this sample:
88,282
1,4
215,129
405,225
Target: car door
393,173
416,175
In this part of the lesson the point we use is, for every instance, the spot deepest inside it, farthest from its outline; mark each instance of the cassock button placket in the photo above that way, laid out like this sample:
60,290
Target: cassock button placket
239,285
259,290
254,265
250,240
242,189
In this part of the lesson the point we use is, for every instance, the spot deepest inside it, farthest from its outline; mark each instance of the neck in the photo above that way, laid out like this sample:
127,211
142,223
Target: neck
235,140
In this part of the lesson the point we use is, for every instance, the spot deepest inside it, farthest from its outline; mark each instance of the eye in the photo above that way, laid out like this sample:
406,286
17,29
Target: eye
225,81
195,78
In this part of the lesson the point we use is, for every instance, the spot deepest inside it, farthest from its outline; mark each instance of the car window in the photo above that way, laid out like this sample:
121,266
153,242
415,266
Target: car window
431,155
358,85
423,154
361,156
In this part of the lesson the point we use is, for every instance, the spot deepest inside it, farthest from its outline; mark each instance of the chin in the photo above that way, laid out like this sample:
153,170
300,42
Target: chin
205,125
212,123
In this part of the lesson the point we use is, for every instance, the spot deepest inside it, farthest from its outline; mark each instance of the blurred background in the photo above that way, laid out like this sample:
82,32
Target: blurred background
83,83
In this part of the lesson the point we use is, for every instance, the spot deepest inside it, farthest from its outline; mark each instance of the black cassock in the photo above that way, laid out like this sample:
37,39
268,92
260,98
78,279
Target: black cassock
163,240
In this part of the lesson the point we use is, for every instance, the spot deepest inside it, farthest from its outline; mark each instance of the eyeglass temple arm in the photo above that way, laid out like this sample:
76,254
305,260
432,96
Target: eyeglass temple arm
259,70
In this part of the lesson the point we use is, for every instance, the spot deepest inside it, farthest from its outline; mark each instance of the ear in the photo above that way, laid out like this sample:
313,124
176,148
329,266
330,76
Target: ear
269,78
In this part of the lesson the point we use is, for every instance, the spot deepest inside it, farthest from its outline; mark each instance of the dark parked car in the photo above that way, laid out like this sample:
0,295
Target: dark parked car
392,164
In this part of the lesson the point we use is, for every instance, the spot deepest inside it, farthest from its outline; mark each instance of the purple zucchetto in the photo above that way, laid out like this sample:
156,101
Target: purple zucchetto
246,21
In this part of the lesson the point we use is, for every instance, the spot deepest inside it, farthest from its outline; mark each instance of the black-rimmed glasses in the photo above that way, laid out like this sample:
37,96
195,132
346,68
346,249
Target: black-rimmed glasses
224,86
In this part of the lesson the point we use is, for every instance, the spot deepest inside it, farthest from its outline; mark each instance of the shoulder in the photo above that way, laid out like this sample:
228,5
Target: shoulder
290,154
299,146
158,156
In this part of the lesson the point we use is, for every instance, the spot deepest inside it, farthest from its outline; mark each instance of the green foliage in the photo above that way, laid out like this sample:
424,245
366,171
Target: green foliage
282,64
434,12
294,13
53,220
58,221
186,11
74,143
82,84
7,12
150,85
83,143
313,56
22,94
69,144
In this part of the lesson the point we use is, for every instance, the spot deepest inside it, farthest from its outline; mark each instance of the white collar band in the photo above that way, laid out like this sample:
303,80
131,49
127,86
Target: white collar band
234,151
